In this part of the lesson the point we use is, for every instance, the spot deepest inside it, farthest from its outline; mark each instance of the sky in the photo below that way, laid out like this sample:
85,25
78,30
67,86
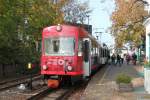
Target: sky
99,18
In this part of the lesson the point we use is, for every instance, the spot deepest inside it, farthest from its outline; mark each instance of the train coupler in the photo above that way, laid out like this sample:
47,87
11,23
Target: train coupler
52,83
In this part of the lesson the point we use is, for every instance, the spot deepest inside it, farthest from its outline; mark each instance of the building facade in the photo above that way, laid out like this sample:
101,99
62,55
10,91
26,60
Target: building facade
147,25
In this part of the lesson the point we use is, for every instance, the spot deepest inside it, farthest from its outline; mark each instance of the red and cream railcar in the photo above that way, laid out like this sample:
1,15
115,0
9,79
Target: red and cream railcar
69,51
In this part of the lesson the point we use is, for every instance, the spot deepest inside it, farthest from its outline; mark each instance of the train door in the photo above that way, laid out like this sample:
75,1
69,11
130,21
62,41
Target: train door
101,55
87,56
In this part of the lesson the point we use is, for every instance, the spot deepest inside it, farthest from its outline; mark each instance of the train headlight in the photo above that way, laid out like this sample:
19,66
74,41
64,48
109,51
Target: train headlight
44,67
69,68
58,28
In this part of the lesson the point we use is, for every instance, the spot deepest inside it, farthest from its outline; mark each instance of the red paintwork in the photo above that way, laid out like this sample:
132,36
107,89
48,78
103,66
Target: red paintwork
55,68
76,62
52,61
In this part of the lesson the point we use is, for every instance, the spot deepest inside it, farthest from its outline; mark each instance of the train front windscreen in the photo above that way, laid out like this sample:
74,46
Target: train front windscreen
59,46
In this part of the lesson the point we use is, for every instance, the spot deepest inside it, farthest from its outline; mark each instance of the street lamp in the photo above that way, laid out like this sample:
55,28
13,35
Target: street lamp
29,64
98,35
25,23
88,18
97,30
88,26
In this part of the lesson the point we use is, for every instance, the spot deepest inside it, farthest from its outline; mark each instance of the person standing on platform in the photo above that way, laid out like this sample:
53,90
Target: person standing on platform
122,58
113,58
134,57
118,59
128,59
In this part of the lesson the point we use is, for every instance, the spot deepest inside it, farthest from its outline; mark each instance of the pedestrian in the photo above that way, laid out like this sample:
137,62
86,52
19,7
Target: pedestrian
113,58
122,58
128,59
134,58
109,59
118,59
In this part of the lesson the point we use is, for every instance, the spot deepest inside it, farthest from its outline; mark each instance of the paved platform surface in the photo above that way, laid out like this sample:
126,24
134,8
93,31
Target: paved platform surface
105,88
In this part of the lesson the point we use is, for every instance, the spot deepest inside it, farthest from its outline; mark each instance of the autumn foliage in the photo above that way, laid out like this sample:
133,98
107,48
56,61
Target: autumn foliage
127,20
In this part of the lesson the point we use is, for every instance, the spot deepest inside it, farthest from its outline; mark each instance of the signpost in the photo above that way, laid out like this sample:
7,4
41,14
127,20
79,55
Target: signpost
30,83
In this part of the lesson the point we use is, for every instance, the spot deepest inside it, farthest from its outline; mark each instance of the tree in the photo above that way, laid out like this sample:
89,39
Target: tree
21,23
75,12
127,21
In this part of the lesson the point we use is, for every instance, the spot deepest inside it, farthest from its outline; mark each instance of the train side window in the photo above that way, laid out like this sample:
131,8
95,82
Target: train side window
101,52
92,51
104,52
80,48
86,51
74,44
98,52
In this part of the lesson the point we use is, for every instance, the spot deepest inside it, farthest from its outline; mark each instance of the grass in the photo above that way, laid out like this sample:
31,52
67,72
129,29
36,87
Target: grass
123,78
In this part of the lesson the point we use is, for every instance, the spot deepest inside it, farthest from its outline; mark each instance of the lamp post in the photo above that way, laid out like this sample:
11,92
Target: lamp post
25,23
27,37
29,64
30,82
88,26
98,35
88,16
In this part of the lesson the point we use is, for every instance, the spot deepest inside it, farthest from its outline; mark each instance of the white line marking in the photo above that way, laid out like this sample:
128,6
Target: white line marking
104,74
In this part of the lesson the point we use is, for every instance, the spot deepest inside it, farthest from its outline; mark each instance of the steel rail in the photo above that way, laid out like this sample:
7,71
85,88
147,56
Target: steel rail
15,79
41,94
17,82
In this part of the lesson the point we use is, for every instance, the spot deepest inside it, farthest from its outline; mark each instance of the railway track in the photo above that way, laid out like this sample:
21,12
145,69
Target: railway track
61,93
11,91
15,79
12,83
52,94
42,92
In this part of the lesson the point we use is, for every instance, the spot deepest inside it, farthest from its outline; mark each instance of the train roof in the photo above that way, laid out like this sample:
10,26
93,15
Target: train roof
82,32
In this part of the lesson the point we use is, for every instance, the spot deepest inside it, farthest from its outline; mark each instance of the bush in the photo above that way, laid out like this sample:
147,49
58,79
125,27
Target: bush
146,63
122,78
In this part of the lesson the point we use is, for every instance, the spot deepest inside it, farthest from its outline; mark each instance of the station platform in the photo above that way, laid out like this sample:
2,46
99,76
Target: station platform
105,88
